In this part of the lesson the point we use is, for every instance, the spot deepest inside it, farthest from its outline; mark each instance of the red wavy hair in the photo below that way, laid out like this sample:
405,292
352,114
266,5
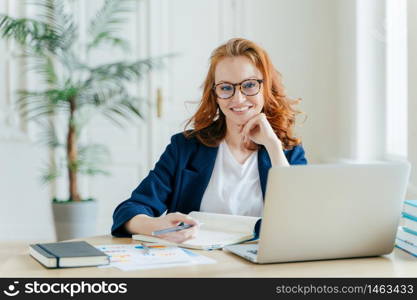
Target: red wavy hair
209,122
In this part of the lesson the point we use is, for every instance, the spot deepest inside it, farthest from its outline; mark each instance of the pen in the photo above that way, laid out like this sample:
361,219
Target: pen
146,249
181,226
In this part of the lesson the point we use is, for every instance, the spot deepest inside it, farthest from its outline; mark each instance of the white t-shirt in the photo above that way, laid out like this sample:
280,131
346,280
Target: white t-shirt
234,188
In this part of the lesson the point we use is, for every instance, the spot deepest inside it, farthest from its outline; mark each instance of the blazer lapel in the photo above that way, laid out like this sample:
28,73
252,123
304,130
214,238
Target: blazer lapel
264,164
204,159
195,178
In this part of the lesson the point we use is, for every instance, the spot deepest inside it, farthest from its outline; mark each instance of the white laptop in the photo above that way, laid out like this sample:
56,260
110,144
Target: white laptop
329,211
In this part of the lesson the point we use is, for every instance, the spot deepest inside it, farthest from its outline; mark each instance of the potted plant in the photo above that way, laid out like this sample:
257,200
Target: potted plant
71,90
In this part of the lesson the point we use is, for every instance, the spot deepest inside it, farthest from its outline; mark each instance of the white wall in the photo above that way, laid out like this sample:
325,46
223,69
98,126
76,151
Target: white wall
302,39
412,94
361,80
25,211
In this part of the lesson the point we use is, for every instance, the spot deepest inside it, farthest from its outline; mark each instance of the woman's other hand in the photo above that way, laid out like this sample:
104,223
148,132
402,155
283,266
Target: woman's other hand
143,224
174,219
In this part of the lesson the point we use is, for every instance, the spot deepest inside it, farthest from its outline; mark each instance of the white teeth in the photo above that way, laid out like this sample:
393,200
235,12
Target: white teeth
241,108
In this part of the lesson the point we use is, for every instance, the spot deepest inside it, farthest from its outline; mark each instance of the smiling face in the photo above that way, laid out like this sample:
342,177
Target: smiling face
239,108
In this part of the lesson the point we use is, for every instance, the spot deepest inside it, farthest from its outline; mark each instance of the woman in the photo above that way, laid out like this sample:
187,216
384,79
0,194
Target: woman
242,127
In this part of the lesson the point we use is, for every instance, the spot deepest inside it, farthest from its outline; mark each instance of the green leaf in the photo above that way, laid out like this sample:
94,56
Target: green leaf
90,158
49,136
50,173
33,105
43,66
54,13
29,33
108,22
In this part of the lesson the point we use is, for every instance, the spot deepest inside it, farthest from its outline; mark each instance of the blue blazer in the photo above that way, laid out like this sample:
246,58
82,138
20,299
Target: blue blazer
179,179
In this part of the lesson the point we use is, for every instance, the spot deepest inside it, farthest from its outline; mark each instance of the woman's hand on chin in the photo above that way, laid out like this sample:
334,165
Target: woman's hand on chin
259,130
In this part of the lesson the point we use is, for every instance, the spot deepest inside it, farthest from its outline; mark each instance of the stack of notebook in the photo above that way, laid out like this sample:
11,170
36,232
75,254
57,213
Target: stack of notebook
407,234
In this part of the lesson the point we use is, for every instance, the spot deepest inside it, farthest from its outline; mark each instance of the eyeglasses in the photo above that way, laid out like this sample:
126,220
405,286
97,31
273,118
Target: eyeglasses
248,87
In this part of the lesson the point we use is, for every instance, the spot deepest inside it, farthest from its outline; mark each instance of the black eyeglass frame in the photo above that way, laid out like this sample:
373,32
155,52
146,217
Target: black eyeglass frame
260,81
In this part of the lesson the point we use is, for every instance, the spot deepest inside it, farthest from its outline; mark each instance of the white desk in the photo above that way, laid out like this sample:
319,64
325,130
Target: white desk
16,262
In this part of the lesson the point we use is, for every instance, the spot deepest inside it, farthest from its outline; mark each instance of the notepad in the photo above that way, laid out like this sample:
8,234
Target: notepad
68,254
217,231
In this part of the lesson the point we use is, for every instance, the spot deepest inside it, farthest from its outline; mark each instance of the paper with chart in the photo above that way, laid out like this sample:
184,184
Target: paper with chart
135,256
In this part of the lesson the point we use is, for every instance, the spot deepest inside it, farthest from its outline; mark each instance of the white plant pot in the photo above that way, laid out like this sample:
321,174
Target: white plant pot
75,219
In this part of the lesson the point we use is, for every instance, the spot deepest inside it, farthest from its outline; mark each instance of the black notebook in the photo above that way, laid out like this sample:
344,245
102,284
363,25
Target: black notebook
68,254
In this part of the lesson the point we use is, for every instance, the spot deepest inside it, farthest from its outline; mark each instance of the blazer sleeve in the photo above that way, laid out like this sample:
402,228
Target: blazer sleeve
296,156
152,196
